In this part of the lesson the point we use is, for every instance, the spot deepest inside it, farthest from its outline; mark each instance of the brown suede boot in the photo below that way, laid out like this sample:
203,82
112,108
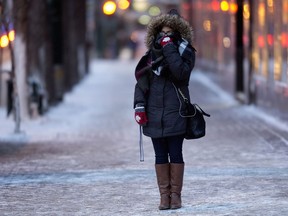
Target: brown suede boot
176,182
163,180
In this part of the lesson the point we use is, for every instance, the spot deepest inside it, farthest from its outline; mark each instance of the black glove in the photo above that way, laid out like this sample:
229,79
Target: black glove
156,53
157,41
176,36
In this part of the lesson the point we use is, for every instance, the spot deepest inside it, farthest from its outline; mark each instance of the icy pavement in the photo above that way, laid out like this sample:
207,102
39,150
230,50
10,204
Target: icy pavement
82,157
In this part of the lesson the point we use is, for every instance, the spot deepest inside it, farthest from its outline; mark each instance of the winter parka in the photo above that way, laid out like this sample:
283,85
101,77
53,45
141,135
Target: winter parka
158,94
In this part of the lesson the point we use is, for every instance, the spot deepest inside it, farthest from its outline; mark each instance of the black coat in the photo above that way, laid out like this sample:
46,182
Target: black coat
161,101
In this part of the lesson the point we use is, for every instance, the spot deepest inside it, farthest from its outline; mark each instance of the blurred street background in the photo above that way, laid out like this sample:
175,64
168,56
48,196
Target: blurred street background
69,144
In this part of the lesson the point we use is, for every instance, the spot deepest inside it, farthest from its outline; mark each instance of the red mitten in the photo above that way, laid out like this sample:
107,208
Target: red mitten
166,40
140,115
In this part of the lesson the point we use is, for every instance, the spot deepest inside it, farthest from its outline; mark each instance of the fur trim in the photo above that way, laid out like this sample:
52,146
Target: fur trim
173,21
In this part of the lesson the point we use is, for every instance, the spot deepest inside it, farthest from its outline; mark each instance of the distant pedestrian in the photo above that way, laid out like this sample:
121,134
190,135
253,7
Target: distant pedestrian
167,63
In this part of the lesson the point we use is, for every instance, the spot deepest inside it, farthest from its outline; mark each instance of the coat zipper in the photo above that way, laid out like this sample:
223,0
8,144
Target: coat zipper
162,126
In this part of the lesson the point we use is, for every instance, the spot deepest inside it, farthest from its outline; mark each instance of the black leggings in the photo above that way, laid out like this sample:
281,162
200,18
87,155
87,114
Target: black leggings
168,147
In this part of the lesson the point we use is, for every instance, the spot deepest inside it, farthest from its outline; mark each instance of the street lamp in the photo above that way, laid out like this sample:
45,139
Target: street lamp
123,4
109,7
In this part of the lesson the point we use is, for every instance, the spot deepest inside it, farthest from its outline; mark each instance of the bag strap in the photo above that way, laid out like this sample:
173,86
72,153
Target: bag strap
183,96
195,105
204,113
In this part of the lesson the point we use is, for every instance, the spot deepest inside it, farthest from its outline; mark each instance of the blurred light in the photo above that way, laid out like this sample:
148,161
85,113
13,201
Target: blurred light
215,5
284,39
144,19
11,35
226,42
261,41
134,36
154,11
246,11
224,6
277,70
207,25
270,39
109,7
123,4
186,6
233,8
4,41
285,11
245,39
261,14
140,5
285,6
270,3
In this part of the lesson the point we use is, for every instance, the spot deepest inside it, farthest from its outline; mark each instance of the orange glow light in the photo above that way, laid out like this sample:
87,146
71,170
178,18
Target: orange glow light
261,41
246,11
284,39
285,6
123,4
233,8
261,14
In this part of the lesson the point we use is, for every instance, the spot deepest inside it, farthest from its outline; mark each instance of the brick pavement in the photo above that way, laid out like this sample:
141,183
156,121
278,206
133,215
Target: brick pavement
89,165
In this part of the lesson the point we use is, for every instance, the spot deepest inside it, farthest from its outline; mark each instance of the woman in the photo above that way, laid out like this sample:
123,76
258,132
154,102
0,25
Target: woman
166,66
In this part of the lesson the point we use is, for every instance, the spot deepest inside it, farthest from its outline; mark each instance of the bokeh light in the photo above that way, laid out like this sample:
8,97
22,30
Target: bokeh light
109,7
144,19
154,11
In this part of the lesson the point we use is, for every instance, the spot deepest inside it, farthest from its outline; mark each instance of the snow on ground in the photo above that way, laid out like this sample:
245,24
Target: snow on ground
229,100
67,117
205,80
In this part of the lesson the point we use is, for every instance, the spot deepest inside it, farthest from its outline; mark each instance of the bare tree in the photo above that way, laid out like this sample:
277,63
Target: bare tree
6,20
49,54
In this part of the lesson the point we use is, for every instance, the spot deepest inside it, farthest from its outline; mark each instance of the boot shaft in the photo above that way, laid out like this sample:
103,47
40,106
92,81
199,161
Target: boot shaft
163,180
176,177
163,177
176,182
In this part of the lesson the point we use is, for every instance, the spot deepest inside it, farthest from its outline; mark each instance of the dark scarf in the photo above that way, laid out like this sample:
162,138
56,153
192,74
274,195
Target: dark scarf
152,60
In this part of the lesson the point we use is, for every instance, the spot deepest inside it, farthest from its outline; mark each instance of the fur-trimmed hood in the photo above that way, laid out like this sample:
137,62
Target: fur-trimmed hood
173,21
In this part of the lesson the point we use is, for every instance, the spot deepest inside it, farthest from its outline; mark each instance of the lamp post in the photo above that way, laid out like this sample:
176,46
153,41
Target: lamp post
239,49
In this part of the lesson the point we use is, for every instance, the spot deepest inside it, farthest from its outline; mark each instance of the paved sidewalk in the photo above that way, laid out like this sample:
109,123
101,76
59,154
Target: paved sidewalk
82,158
